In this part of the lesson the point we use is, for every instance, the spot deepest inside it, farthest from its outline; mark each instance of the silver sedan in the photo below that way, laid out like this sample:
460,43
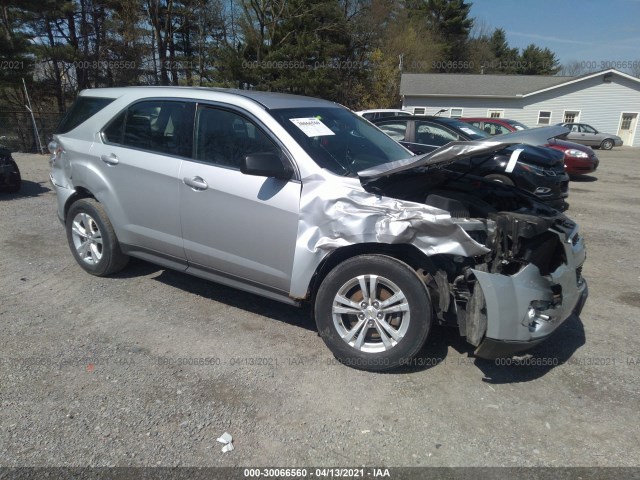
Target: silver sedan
587,135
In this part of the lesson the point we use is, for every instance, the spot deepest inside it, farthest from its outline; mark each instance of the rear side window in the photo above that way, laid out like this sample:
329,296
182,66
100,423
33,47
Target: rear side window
82,109
156,126
395,129
433,134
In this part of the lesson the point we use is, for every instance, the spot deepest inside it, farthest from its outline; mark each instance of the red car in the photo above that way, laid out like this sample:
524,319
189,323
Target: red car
578,159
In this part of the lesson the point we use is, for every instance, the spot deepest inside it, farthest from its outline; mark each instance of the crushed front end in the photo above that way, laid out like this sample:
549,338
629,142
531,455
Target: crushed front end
523,289
529,281
532,284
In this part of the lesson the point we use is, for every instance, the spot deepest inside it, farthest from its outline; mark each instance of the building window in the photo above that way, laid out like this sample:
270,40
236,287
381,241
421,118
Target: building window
571,117
419,111
495,113
544,118
626,121
455,112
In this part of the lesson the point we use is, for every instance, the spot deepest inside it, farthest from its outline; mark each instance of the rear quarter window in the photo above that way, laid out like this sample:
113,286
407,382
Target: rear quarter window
81,110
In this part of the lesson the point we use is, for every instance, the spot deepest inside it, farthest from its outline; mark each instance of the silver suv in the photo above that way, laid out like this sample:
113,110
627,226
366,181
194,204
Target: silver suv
301,200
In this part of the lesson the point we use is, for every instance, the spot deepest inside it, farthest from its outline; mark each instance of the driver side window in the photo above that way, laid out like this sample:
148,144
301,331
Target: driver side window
225,138
498,129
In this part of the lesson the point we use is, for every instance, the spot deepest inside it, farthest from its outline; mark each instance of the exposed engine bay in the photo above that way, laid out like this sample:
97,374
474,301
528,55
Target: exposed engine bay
520,231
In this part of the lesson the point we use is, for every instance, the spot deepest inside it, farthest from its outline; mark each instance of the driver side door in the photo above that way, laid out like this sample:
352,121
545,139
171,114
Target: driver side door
241,228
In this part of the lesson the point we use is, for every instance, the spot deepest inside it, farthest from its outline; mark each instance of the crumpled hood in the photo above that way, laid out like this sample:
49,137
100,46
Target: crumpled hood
456,150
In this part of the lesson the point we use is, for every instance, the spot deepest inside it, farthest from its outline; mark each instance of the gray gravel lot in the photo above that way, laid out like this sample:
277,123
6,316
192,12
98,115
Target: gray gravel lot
150,366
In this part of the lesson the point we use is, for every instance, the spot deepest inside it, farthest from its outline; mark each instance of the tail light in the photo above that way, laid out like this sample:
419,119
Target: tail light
55,149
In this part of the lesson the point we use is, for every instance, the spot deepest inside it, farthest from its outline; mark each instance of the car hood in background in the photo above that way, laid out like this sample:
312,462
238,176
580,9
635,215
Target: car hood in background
570,145
456,150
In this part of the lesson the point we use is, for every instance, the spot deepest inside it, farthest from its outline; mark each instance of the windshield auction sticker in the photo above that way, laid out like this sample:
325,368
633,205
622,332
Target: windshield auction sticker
312,127
468,130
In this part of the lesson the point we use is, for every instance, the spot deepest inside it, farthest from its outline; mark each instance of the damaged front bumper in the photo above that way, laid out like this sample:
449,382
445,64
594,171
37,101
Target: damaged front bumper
525,308
491,348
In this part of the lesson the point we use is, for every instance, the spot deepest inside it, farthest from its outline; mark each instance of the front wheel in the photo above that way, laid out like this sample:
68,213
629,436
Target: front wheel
607,144
373,312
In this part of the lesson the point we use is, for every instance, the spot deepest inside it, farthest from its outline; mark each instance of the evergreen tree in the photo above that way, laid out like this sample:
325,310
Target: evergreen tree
538,61
449,21
505,57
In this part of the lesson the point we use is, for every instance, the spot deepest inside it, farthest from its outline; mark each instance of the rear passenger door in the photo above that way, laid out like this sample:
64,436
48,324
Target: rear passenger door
234,225
140,159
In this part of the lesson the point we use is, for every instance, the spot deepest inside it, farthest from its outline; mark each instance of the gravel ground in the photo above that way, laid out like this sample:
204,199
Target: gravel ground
150,366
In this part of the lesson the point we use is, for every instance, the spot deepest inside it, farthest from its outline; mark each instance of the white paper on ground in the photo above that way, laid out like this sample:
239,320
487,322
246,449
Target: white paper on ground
227,439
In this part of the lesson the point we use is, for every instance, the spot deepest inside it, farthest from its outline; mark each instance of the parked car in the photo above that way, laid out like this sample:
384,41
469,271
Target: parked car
587,135
496,126
578,159
372,115
10,179
300,200
537,170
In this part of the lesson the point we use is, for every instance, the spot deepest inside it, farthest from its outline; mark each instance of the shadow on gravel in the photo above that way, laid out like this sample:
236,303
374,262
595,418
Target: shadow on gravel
537,362
281,312
583,178
528,366
28,189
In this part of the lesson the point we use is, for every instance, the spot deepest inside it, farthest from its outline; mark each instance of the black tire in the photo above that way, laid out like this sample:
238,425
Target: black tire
13,180
500,178
107,257
607,144
410,328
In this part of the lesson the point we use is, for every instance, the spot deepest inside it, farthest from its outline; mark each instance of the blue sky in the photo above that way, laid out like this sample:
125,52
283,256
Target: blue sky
582,30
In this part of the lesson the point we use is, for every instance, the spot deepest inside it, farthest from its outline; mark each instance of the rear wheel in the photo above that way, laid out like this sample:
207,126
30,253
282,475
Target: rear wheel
92,239
373,312
500,178
607,144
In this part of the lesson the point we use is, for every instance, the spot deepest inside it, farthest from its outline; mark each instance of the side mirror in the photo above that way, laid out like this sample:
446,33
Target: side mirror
266,165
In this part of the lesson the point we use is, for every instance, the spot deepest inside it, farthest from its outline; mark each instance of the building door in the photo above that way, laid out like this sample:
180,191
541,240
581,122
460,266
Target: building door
628,127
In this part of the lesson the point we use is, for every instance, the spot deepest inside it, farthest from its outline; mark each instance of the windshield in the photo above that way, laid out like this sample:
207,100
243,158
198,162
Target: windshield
517,125
474,133
338,139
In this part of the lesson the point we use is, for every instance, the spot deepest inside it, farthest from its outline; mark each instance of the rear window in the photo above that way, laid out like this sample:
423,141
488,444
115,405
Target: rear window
82,109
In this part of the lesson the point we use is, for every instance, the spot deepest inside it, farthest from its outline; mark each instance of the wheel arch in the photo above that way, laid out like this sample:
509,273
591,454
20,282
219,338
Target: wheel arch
406,253
79,193
609,140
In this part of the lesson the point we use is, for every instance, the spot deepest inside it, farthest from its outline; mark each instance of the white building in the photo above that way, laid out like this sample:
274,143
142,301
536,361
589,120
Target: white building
607,100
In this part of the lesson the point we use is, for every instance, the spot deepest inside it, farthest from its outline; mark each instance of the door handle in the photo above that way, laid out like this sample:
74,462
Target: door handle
196,183
110,159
